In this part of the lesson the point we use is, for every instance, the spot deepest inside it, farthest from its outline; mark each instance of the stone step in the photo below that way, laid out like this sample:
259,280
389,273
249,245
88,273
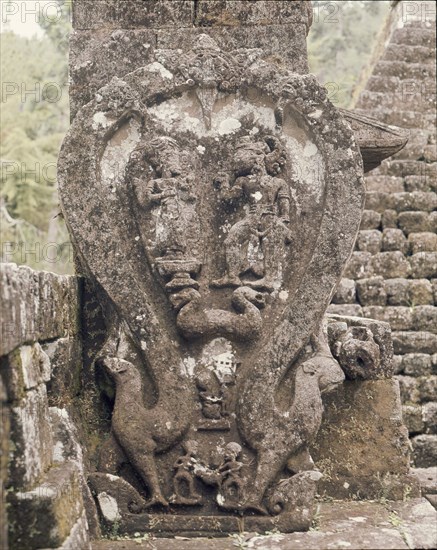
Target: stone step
404,70
409,54
413,36
402,97
401,202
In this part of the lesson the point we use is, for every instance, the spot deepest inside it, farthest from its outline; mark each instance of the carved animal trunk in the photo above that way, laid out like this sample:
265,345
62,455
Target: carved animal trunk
214,198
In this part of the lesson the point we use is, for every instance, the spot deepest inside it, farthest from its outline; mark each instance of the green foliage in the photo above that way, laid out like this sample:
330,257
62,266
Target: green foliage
34,114
341,41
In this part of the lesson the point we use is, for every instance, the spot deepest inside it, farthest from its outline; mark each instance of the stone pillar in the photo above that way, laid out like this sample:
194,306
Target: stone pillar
114,37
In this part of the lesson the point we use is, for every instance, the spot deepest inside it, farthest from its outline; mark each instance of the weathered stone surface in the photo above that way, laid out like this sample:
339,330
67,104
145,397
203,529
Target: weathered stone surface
32,437
79,536
420,292
429,416
409,388
350,310
411,342
423,265
369,241
349,450
399,318
389,219
398,292
51,509
412,415
24,369
65,355
370,220
425,318
127,14
422,242
414,222
424,450
36,306
394,239
359,266
391,265
427,479
428,388
372,291
222,150
416,364
345,293
354,525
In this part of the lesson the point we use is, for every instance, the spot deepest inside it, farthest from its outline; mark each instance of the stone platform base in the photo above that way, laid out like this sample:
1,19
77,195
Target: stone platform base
159,525
352,525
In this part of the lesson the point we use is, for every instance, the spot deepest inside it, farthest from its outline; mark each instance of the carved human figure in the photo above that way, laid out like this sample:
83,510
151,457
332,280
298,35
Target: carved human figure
211,401
171,197
265,227
231,484
183,480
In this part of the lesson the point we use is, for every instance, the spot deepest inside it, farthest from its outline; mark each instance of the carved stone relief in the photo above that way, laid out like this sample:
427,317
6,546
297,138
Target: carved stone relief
216,204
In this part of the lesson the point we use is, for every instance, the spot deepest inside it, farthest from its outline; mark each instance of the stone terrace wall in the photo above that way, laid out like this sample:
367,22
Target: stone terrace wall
40,362
392,275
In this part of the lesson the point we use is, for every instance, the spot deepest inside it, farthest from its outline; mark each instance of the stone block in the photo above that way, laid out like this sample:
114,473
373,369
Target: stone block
24,369
100,55
380,201
345,293
51,510
414,222
418,200
349,310
36,306
414,342
432,222
371,291
397,364
417,183
399,318
389,219
424,450
369,241
427,479
389,184
425,318
358,266
394,239
131,14
288,39
416,364
412,36
370,220
397,292
79,536
390,265
427,386
362,439
210,13
409,389
32,437
412,415
65,356
423,265
434,290
420,292
429,417
380,334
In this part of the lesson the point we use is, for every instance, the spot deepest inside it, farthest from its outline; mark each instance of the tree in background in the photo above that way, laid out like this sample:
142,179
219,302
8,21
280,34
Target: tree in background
34,114
341,41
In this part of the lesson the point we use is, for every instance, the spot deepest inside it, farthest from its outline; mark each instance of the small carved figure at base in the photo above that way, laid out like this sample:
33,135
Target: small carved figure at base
231,484
183,480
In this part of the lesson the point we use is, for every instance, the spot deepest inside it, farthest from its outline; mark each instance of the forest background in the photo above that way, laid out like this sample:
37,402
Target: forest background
34,113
